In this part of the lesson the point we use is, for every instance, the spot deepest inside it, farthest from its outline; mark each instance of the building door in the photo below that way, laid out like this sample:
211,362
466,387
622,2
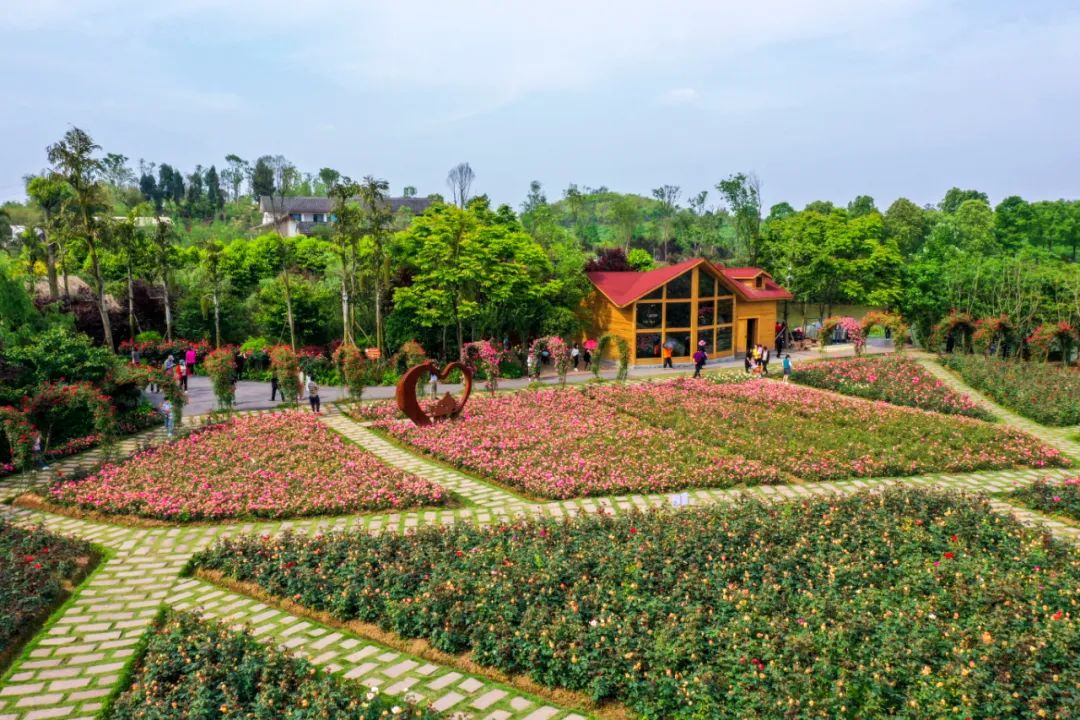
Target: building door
751,334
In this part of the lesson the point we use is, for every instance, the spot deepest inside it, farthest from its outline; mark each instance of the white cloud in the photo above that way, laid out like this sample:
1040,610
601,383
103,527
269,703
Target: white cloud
679,96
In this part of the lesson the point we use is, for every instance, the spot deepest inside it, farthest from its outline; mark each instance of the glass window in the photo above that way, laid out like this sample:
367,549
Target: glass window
678,315
723,311
657,294
706,285
648,315
681,287
681,340
706,312
723,339
648,345
705,334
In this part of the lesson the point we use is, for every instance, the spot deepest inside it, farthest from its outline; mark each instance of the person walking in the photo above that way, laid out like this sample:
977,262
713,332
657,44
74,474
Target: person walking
190,357
166,409
764,360
575,356
787,367
38,451
668,353
748,362
181,375
586,355
274,387
699,361
313,396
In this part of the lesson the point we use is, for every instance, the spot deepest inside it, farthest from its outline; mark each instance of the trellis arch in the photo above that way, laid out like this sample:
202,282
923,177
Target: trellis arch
953,322
988,331
1042,340
144,375
854,331
892,322
560,355
19,432
624,355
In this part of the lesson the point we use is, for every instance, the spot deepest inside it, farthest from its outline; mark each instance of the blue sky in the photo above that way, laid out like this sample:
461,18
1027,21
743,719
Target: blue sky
823,99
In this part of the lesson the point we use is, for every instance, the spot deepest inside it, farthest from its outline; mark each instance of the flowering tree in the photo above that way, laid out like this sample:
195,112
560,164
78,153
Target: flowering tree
286,369
353,367
1043,338
19,433
988,331
849,324
144,375
413,352
221,368
50,401
558,351
952,323
485,356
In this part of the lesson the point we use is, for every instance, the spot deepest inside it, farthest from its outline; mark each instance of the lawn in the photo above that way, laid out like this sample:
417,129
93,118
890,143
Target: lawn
197,669
1046,393
907,603
269,465
37,569
1053,498
895,379
656,437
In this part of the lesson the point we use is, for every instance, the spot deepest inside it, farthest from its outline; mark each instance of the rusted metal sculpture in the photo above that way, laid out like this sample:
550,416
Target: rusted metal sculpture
447,407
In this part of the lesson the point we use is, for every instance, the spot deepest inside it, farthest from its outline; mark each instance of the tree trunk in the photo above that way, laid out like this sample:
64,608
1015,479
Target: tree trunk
217,317
131,305
168,307
288,310
50,264
346,325
63,269
378,315
99,288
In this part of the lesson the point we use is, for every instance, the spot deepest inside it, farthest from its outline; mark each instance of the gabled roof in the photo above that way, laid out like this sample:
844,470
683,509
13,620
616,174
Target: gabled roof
623,288
286,205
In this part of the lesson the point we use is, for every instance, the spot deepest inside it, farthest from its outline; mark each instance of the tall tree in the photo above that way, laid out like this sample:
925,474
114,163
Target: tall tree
955,197
210,257
625,214
329,177
115,170
347,232
460,180
377,218
215,200
234,173
408,191
73,160
50,193
262,178
975,227
742,193
163,242
668,195
194,204
905,223
128,243
861,205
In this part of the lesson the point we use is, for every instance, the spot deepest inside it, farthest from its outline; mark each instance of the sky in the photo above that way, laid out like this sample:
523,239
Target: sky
822,99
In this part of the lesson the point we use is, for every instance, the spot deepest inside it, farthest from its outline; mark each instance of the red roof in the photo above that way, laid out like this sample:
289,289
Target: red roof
623,288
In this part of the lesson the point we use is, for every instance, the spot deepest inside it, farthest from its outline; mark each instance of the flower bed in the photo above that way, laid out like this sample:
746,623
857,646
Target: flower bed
1048,394
892,378
661,436
269,465
194,668
36,570
901,603
1055,498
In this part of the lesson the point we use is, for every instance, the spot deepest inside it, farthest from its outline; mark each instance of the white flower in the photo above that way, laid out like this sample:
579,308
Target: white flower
396,710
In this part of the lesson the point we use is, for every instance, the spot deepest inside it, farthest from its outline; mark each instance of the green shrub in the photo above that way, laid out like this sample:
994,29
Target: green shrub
905,603
1054,498
149,336
192,668
1048,394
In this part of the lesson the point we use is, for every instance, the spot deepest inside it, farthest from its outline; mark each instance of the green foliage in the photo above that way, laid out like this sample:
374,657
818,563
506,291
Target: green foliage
286,369
16,307
58,354
910,600
196,668
220,366
1053,498
1048,394
640,259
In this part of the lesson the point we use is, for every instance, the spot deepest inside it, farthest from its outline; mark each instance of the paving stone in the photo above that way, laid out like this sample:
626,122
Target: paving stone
447,701
488,699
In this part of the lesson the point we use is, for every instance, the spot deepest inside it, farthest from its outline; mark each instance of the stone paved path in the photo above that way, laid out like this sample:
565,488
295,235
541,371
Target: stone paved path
69,668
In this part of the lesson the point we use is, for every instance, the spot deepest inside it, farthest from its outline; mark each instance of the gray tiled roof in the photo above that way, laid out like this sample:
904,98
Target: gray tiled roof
288,205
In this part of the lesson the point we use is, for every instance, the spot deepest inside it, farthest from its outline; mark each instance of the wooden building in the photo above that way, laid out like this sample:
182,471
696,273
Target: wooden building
731,309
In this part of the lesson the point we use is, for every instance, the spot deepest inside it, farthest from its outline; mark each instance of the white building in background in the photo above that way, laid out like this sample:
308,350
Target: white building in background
290,216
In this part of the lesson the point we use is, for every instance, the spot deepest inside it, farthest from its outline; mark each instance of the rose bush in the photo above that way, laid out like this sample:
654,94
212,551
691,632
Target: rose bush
269,465
613,439
194,668
1048,394
892,378
34,566
1055,498
902,603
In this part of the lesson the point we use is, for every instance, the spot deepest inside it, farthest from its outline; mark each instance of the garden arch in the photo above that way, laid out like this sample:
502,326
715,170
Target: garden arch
997,333
52,396
19,433
557,349
1044,337
850,324
955,326
624,355
891,322
170,389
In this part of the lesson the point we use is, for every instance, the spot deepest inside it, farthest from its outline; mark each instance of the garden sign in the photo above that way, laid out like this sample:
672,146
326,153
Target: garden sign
446,407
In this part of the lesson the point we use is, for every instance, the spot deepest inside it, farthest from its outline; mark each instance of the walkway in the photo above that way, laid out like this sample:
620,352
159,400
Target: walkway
73,665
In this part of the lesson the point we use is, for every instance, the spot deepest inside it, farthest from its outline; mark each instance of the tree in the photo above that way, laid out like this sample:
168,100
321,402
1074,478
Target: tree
115,170
905,224
16,307
609,260
195,200
742,193
262,178
151,193
975,227
460,180
210,254
329,177
408,191
861,205
625,215
234,174
163,243
668,195
171,184
377,218
535,199
129,244
51,193
346,235
955,197
73,160
214,198
780,211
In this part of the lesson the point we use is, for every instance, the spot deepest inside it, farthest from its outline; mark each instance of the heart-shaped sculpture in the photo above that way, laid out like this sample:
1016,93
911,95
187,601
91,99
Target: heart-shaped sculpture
446,408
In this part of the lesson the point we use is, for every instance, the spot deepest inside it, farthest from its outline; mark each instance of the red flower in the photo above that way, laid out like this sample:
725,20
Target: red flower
37,566
1058,615
28,558
953,538
633,531
949,556
458,553
290,565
